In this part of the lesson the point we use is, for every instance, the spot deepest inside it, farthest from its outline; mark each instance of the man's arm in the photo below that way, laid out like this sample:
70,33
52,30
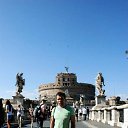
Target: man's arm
52,120
73,125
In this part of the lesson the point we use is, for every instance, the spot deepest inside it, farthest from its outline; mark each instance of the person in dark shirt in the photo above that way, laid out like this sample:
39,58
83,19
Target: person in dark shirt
9,112
87,112
76,113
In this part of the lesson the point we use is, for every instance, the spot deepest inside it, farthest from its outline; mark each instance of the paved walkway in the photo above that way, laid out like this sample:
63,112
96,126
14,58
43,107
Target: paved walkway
79,124
94,124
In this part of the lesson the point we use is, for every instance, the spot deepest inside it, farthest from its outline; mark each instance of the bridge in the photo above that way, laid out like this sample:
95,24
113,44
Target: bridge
101,117
79,124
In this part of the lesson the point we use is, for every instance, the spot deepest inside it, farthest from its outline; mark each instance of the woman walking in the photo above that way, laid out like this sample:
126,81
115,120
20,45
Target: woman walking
9,113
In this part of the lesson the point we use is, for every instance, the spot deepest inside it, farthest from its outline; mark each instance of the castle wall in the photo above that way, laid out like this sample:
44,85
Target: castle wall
74,91
67,82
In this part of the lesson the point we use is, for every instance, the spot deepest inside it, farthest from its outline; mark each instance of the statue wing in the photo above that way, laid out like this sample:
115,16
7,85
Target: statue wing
17,78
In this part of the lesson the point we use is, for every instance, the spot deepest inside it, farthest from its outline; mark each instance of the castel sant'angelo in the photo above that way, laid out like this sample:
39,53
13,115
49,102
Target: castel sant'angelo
67,82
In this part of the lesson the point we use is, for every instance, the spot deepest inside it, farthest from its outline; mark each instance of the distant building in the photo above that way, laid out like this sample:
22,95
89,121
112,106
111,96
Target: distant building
67,82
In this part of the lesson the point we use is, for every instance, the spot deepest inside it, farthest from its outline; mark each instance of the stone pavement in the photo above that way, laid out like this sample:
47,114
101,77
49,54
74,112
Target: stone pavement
95,124
79,124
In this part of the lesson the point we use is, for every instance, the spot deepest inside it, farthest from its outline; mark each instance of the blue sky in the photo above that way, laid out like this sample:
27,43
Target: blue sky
41,37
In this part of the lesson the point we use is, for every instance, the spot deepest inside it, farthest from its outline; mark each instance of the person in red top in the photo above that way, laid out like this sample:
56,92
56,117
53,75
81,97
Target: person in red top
31,115
43,112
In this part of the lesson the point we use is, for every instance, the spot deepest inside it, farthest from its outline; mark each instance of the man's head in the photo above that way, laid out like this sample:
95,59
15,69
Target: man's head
61,99
43,100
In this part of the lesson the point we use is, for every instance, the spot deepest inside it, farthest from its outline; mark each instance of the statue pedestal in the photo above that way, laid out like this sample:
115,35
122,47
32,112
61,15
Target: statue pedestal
100,100
18,99
100,103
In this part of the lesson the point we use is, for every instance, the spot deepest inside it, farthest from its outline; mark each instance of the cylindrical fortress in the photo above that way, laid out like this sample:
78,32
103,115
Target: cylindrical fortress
67,82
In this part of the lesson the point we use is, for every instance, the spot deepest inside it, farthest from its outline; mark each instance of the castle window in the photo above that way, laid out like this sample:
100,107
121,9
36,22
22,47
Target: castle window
65,79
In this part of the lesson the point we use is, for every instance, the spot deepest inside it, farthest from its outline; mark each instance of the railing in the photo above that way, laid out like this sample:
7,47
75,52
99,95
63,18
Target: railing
114,115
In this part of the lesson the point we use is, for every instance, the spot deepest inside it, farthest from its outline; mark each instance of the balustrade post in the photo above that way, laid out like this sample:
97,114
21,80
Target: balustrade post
125,118
99,116
115,117
105,116
93,115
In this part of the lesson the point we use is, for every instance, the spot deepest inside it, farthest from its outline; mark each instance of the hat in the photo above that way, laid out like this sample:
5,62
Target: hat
44,98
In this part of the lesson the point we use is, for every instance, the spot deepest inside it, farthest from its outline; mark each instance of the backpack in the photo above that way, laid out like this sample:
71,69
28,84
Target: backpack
36,112
40,112
43,111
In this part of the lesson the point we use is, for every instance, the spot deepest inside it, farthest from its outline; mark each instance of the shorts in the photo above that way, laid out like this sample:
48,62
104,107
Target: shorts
9,117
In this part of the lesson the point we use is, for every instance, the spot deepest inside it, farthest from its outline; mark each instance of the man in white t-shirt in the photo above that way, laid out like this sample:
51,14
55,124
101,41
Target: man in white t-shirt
20,114
84,113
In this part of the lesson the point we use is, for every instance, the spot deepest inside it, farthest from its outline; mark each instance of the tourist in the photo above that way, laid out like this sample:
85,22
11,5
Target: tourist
84,113
43,112
9,113
31,115
76,113
62,114
36,114
48,112
52,106
87,112
80,113
20,114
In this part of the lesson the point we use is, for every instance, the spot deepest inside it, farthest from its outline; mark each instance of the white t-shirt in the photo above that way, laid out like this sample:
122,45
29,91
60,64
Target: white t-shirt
84,111
20,111
80,111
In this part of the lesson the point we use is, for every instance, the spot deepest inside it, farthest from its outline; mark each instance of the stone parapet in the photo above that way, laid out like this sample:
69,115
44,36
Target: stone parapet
113,115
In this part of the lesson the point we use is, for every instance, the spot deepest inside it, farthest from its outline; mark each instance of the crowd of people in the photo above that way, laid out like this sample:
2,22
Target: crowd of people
59,113
81,113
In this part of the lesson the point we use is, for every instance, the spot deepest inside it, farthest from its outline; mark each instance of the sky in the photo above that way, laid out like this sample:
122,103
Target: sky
40,37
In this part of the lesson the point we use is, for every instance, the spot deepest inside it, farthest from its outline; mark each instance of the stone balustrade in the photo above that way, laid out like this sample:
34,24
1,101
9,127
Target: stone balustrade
113,115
